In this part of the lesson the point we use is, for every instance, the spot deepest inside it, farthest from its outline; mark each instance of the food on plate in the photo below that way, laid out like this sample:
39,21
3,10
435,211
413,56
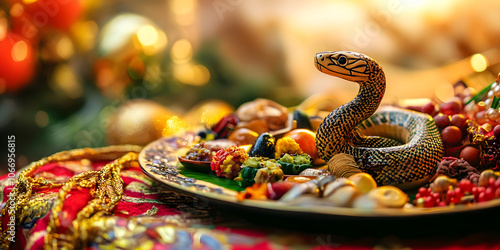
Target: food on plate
264,146
243,136
295,164
363,181
287,145
271,172
226,162
202,151
259,170
306,140
272,113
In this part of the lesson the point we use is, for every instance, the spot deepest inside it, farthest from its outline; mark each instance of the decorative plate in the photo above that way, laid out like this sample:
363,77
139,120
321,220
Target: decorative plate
159,160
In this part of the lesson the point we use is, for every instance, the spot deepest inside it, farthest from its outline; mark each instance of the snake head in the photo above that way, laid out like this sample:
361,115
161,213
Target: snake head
347,65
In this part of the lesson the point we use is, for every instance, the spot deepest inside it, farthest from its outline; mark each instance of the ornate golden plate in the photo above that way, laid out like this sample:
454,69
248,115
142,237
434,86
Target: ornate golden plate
159,160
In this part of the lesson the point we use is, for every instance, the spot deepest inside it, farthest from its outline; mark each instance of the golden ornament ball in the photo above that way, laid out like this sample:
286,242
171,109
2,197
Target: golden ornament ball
137,122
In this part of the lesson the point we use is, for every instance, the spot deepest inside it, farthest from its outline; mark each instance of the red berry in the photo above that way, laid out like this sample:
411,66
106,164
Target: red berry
477,190
482,197
429,108
496,131
453,200
459,120
451,135
418,196
429,201
442,121
442,204
497,193
436,196
458,194
465,185
497,183
450,108
449,194
423,191
491,182
490,193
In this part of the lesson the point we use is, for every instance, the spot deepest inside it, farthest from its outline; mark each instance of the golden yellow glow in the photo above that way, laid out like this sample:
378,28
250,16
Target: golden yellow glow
4,24
19,51
182,51
185,20
201,75
444,91
41,118
211,117
210,112
84,34
182,7
188,73
174,125
159,45
64,48
478,62
147,35
66,80
183,11
29,1
16,10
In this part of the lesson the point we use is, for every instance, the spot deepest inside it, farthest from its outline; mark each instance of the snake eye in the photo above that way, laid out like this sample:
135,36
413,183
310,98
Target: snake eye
342,60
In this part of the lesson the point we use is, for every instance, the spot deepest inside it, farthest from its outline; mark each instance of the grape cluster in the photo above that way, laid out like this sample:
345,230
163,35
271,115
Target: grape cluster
446,191
491,156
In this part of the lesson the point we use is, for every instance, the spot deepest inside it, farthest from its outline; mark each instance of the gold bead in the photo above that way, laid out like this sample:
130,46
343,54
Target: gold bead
487,103
496,91
492,114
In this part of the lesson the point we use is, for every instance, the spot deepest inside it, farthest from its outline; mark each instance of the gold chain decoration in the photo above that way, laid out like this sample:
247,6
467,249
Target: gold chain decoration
107,182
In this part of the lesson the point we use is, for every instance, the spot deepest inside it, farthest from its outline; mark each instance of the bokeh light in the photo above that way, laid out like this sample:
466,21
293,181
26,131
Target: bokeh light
174,125
19,51
182,7
85,34
182,51
479,62
64,48
3,25
191,74
41,118
147,35
16,10
65,80
183,11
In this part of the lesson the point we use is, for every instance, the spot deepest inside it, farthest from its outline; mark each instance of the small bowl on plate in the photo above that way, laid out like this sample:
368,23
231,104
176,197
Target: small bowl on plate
198,166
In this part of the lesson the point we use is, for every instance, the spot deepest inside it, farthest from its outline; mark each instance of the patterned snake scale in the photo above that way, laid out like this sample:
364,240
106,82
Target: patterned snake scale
397,147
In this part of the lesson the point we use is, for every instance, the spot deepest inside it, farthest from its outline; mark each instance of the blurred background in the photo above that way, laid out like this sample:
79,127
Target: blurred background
88,73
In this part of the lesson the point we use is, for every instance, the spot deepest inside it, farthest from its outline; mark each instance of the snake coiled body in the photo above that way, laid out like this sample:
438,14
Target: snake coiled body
397,147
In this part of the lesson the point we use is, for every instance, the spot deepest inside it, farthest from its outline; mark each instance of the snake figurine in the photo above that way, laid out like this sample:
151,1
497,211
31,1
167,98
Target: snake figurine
397,147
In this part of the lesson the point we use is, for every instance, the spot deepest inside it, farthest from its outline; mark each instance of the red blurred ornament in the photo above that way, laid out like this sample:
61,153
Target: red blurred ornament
22,23
17,62
60,14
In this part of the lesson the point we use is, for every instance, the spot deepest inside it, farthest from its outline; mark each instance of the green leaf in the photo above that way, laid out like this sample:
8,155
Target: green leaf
211,177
